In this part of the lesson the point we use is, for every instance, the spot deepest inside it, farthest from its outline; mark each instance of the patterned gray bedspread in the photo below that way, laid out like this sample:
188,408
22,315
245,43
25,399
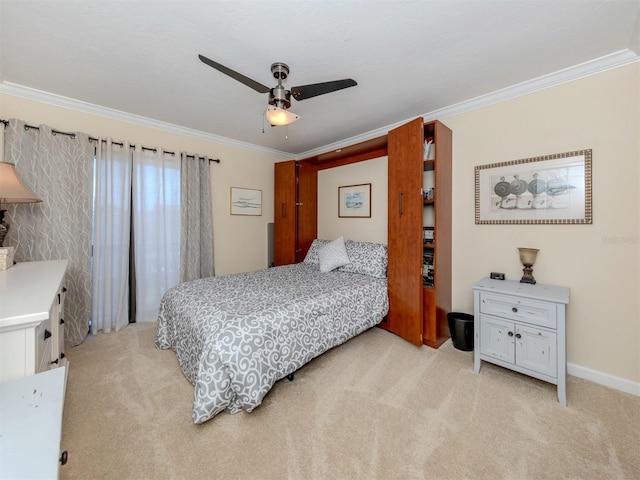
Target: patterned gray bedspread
236,335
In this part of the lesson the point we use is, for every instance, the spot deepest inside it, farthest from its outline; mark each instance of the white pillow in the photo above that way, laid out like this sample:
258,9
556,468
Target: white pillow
333,255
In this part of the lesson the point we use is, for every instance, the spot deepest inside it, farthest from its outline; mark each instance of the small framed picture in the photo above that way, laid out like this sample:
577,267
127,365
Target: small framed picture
354,201
246,201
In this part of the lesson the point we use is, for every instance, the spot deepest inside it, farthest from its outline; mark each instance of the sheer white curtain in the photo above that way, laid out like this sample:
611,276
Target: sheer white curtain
111,236
156,225
197,229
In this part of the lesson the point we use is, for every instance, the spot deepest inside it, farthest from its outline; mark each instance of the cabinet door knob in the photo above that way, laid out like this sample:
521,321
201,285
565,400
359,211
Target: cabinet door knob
47,333
64,457
510,334
55,361
514,309
518,335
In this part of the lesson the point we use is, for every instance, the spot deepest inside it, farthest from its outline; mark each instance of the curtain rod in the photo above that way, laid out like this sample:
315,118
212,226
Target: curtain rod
91,139
55,132
154,150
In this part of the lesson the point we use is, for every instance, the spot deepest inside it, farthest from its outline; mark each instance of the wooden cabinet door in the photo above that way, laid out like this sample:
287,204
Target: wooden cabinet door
443,224
536,350
497,339
284,213
404,272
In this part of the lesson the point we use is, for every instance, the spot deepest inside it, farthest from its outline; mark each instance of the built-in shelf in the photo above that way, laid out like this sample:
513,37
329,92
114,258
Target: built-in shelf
429,165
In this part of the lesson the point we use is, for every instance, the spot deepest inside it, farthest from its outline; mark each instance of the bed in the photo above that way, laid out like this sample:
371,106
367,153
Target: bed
235,336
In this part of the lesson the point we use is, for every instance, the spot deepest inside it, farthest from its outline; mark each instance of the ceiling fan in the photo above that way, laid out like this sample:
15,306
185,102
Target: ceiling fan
279,96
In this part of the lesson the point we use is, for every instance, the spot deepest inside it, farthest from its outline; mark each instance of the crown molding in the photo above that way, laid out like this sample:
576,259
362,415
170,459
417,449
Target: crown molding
576,72
567,75
78,105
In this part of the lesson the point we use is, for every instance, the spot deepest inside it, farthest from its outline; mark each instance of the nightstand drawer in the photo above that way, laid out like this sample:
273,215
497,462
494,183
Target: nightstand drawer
535,312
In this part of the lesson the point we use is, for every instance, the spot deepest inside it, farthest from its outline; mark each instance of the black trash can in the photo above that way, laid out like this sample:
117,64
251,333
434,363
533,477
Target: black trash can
461,328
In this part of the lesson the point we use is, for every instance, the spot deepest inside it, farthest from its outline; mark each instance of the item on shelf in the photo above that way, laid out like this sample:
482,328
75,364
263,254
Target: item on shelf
429,194
427,269
428,234
528,259
427,274
429,150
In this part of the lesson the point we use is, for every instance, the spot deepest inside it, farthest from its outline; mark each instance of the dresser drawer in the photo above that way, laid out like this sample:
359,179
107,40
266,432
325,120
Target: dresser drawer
535,312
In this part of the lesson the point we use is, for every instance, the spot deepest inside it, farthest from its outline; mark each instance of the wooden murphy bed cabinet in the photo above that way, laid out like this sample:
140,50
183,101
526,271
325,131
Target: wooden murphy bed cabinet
419,312
295,210
295,213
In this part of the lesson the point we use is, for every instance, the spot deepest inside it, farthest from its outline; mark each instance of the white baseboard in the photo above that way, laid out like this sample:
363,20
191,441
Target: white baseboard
600,378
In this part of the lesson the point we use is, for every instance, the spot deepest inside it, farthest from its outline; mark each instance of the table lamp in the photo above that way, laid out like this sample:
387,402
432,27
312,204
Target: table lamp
12,190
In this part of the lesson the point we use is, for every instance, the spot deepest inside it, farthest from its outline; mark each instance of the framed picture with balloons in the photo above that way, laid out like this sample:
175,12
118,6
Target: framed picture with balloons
552,189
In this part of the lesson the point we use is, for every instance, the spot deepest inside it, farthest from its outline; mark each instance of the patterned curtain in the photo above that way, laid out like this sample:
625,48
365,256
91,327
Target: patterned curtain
196,246
59,168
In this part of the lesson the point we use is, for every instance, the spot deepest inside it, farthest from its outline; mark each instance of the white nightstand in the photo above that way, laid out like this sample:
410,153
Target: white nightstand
522,327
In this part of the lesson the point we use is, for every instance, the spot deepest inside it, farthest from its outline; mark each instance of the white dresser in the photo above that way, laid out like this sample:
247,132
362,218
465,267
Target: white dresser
32,386
31,318
522,327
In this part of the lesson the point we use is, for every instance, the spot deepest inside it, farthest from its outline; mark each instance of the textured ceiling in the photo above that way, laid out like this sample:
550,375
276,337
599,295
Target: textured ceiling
408,57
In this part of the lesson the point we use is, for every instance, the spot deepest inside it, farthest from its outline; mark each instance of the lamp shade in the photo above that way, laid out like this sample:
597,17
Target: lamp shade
12,190
279,116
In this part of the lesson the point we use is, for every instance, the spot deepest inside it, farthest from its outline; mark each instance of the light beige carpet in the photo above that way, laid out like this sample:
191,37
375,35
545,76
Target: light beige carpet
374,408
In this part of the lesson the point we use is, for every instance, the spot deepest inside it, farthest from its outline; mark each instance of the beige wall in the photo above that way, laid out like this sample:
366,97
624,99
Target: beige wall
372,229
240,242
599,262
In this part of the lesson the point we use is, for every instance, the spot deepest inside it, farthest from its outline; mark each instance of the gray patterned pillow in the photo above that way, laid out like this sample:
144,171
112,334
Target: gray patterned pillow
312,254
366,258
333,255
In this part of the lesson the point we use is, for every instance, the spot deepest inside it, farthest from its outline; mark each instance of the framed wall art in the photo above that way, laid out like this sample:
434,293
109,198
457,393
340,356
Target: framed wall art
354,201
246,201
552,189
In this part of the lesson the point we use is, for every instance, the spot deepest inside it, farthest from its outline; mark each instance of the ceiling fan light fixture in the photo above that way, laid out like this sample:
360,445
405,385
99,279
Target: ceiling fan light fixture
279,116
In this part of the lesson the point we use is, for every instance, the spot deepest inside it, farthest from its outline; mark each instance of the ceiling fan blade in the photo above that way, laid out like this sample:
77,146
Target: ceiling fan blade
313,90
258,87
